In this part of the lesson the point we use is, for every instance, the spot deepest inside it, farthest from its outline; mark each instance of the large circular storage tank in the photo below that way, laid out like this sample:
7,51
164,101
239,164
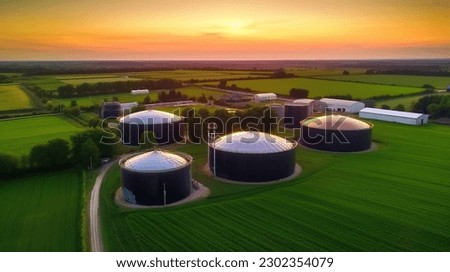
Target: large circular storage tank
156,178
336,133
250,156
111,109
295,113
278,109
165,126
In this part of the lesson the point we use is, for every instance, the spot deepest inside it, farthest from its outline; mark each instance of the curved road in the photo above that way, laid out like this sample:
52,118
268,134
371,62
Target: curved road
96,237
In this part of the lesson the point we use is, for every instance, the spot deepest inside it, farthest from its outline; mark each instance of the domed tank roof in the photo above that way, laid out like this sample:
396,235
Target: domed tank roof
252,142
154,161
338,122
150,117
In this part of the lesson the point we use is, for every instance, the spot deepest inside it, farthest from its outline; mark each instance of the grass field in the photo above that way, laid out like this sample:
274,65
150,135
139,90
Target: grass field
18,136
399,80
41,213
12,97
391,199
323,88
406,101
127,97
52,82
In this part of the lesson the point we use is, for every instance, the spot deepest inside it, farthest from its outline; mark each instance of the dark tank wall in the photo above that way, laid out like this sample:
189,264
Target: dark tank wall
253,167
164,133
293,114
148,188
334,140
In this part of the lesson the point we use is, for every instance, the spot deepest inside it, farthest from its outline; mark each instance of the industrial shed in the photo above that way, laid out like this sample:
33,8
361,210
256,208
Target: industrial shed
264,97
156,178
250,156
165,126
409,118
316,105
336,133
340,105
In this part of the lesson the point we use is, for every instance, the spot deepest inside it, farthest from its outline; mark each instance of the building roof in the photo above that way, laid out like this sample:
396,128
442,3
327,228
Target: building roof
150,117
252,142
340,102
265,94
154,161
403,114
304,101
336,122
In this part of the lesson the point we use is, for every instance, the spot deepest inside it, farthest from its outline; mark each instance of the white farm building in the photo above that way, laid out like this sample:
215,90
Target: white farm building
139,91
265,97
409,118
340,105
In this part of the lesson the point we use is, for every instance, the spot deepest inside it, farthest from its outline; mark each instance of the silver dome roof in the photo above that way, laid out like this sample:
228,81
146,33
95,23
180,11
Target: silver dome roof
252,142
154,161
150,117
336,121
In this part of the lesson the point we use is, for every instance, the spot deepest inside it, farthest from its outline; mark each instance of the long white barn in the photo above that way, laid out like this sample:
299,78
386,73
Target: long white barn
403,117
341,105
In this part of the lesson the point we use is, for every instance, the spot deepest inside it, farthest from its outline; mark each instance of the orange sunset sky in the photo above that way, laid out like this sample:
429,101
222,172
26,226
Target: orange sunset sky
197,30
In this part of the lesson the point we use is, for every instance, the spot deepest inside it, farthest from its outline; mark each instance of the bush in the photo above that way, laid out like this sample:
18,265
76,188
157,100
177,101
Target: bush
9,165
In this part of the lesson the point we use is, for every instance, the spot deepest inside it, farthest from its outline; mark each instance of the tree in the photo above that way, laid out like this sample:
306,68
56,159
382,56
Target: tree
73,103
39,157
345,73
428,86
222,84
94,122
202,99
400,107
385,107
58,151
298,93
89,155
147,100
8,165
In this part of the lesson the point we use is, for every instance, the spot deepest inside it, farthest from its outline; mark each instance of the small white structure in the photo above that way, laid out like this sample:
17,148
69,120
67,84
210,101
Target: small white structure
139,91
126,107
265,97
403,117
340,105
316,105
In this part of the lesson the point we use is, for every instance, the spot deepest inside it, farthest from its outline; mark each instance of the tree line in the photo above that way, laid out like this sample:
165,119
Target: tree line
84,150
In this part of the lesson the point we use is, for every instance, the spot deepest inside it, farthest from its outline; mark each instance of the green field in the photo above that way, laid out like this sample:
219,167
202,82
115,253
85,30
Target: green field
303,72
12,97
41,213
323,88
18,136
399,80
406,101
186,75
127,97
395,198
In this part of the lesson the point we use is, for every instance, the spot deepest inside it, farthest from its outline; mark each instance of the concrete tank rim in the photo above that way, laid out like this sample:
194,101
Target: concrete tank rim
370,125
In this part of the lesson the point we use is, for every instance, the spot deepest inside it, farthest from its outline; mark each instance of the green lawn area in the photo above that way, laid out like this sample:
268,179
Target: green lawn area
399,80
18,136
323,88
41,213
12,97
128,97
406,101
395,198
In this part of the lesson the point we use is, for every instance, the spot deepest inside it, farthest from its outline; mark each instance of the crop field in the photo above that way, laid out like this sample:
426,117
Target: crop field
398,80
392,199
12,97
198,74
18,136
322,72
323,88
41,213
